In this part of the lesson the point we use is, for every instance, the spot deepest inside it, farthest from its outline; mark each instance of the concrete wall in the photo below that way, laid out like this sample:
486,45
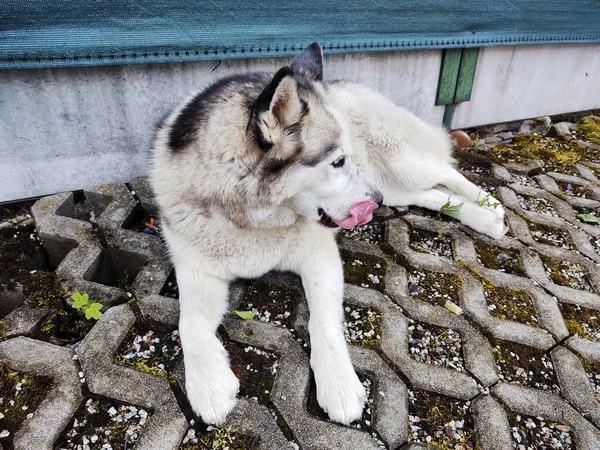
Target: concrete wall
66,129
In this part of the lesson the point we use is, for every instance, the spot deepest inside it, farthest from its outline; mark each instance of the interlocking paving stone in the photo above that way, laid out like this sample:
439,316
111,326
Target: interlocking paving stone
99,254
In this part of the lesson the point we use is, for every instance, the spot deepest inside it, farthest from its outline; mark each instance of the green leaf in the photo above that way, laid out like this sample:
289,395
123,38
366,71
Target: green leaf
79,300
451,210
93,311
246,315
589,218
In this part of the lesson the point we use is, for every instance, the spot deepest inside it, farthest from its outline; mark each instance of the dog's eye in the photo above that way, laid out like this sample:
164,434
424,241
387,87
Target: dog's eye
339,162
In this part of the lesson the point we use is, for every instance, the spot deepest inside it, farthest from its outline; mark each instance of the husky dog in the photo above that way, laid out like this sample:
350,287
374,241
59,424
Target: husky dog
256,172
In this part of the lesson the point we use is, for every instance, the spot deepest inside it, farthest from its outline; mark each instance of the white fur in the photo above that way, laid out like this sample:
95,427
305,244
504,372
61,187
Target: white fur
218,228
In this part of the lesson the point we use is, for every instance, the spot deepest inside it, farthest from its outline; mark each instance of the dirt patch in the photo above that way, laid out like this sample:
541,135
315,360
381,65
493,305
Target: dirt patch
271,303
525,366
438,244
538,205
361,325
501,259
524,180
574,190
364,270
373,232
104,424
20,395
440,422
544,234
566,273
510,304
255,368
219,438
580,321
170,288
592,370
435,345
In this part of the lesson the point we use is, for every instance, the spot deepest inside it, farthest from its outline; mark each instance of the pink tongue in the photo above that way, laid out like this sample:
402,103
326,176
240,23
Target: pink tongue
360,213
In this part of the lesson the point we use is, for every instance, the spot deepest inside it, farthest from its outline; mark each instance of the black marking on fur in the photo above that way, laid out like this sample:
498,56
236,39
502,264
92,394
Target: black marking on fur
197,110
313,161
310,62
326,219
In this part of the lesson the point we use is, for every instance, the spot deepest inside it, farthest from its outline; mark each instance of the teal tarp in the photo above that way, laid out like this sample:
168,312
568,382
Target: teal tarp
36,33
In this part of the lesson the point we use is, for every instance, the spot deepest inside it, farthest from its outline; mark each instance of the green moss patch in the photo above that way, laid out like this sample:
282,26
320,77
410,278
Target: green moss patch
544,234
590,130
581,321
435,345
533,433
104,424
510,304
255,368
555,154
364,270
525,366
566,273
501,259
270,303
152,348
20,395
438,244
219,438
361,325
592,370
440,422
433,287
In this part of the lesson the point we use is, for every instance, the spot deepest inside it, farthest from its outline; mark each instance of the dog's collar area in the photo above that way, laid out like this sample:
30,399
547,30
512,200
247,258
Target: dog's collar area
326,220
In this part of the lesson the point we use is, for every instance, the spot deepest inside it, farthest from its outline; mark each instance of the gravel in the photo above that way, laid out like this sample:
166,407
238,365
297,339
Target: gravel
567,273
575,190
435,345
538,205
371,232
153,351
361,325
438,244
433,287
524,180
535,433
550,236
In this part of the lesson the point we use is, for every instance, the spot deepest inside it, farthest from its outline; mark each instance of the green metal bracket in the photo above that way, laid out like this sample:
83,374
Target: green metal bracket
456,79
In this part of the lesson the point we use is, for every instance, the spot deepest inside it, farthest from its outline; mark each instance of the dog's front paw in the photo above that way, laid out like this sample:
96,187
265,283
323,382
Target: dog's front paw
487,221
341,394
211,390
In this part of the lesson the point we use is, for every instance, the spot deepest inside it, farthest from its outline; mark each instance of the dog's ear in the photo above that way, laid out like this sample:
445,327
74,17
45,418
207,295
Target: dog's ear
310,62
278,109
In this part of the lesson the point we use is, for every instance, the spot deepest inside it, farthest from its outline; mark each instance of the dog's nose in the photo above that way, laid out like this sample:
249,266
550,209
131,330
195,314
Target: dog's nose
378,198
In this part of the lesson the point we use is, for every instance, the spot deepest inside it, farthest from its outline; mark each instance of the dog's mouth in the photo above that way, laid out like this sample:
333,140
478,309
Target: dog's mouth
326,219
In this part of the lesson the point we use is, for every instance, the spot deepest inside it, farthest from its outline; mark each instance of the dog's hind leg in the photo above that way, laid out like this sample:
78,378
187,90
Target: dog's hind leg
480,219
316,259
210,384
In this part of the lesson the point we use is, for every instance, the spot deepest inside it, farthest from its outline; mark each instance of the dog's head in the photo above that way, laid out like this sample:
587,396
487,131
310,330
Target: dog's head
307,147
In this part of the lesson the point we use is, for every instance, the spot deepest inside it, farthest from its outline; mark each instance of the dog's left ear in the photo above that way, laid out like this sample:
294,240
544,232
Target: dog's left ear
278,109
310,62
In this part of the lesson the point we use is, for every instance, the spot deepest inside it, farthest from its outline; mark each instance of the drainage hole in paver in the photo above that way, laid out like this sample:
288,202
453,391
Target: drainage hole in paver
63,325
438,244
539,205
20,394
574,190
440,422
85,206
255,368
544,234
595,241
117,268
151,347
524,180
433,287
580,321
364,423
361,325
372,232
435,345
364,270
567,273
142,222
510,304
473,163
170,288
220,438
105,424
534,433
525,366
501,259
270,302
592,370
